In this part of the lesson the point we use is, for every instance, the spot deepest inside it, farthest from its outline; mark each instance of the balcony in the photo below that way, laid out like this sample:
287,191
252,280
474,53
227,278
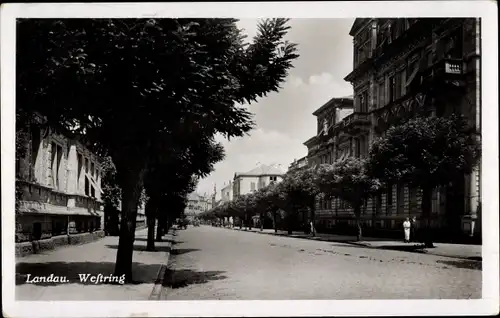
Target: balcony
40,199
446,71
356,118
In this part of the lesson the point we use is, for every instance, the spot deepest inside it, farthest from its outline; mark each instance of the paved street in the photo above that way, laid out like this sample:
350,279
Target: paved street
93,258
210,263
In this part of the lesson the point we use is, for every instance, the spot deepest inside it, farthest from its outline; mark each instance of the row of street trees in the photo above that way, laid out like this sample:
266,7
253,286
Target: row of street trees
424,152
149,95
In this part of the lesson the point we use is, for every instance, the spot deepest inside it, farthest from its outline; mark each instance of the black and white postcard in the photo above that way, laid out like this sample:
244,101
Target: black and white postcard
249,159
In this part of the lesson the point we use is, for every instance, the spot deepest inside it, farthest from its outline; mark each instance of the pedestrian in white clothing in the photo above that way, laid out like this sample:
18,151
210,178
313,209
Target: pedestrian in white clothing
407,227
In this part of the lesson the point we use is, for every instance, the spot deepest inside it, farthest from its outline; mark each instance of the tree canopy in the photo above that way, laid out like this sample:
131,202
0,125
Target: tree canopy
425,151
131,88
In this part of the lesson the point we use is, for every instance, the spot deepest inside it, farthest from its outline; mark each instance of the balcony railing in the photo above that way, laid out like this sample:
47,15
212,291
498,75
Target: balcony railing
356,118
33,192
446,69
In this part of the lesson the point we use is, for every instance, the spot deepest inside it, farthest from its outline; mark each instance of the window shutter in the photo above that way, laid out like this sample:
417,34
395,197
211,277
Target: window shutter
403,82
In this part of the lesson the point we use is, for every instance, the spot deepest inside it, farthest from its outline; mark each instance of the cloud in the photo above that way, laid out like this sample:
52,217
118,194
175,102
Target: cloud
295,81
284,119
321,79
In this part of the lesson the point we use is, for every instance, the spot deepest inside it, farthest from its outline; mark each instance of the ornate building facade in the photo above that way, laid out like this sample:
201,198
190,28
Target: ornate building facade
404,67
60,184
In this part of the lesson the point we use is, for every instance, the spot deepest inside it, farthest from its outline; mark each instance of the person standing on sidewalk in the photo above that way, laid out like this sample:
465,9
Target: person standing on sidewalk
312,230
407,227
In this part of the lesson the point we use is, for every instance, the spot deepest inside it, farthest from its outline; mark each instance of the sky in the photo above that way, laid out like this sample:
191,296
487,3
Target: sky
284,119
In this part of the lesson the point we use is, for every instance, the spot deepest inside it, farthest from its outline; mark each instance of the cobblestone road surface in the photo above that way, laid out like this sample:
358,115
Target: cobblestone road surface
208,263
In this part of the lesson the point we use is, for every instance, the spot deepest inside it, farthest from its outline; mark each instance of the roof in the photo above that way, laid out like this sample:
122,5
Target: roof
358,23
336,102
262,170
193,196
310,141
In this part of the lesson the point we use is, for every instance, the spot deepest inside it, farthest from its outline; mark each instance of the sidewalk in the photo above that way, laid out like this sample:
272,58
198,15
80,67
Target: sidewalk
472,252
96,258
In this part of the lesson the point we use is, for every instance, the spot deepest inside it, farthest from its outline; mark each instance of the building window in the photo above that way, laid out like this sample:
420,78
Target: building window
252,186
273,178
400,198
363,102
392,88
381,94
87,186
79,172
86,165
357,143
56,156
389,199
92,169
364,49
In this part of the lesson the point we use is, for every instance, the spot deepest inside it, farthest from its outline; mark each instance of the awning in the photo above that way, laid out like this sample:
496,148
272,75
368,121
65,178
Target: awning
412,76
48,209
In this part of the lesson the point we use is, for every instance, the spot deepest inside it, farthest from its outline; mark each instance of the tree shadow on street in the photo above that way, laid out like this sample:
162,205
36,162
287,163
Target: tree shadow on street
180,251
142,248
402,248
143,239
475,265
141,273
182,278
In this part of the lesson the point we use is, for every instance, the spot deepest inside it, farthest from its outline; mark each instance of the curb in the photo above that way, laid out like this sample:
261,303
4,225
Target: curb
365,245
158,286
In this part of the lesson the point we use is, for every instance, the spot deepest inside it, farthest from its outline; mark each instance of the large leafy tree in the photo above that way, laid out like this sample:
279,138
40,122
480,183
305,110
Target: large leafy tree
426,153
348,180
301,191
263,203
177,177
131,86
111,195
278,201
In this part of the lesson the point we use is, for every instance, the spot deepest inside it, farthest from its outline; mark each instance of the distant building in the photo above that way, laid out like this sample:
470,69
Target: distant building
61,185
227,192
255,179
298,164
197,204
140,220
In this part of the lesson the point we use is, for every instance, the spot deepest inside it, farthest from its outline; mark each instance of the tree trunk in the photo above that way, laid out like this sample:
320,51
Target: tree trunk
262,221
151,233
159,229
289,221
426,215
357,213
131,192
274,221
150,211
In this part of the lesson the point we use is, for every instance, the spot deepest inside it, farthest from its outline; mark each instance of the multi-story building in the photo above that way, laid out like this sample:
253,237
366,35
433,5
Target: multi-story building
61,185
404,67
298,164
331,140
255,179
